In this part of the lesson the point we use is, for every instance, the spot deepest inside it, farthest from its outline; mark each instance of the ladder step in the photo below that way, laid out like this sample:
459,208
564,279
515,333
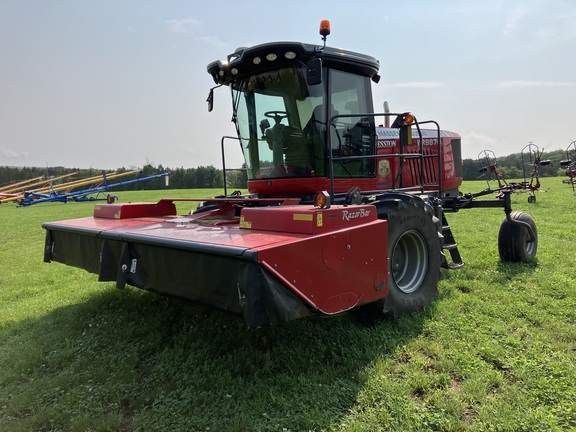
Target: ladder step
451,246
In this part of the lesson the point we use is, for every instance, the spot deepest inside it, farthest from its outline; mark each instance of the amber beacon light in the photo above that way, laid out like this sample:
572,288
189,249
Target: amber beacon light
324,28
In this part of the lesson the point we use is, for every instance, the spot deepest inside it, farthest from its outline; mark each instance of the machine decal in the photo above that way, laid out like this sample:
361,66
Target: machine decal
348,215
302,217
386,144
384,168
244,223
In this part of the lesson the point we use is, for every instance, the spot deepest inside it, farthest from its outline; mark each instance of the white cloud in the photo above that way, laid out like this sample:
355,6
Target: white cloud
474,143
417,84
11,154
513,19
480,140
524,84
182,25
214,41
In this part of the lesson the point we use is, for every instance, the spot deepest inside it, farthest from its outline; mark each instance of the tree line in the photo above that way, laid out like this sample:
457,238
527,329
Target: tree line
513,166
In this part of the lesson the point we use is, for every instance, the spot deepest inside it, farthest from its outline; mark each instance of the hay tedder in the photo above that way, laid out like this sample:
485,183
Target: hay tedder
345,211
532,160
569,164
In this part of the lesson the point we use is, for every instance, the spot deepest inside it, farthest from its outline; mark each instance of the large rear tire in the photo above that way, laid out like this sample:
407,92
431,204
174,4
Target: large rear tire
414,257
514,242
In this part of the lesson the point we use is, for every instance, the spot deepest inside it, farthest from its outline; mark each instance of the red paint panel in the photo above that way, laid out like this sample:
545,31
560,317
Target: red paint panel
183,229
134,210
270,225
287,186
103,224
336,271
306,220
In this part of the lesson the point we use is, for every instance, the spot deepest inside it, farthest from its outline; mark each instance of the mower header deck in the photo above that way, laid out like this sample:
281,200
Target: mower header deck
281,262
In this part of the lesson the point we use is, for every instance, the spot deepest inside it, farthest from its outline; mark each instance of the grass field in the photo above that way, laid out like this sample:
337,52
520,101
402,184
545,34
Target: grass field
496,351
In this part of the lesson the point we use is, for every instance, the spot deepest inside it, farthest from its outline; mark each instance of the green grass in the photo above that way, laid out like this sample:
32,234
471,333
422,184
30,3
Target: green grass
496,351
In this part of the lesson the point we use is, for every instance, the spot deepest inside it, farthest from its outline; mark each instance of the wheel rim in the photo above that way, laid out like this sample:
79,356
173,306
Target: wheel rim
409,261
529,248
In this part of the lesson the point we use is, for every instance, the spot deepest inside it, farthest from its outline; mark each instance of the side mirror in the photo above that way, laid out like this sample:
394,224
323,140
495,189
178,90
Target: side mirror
210,100
314,71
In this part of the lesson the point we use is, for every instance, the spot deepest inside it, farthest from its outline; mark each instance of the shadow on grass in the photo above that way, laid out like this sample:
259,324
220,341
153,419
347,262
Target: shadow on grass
133,360
501,274
515,269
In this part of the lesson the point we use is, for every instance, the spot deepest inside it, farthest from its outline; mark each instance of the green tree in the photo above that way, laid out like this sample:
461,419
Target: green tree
237,179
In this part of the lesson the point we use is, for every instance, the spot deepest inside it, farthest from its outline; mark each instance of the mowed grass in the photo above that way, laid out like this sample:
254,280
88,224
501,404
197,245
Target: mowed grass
495,351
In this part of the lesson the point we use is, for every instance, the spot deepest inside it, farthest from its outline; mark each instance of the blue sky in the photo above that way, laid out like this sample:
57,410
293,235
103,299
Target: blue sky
114,83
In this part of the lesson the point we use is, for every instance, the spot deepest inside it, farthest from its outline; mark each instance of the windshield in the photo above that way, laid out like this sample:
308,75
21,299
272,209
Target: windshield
282,122
275,121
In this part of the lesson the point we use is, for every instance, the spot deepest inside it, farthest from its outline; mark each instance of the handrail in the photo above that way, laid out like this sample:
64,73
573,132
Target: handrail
225,137
402,156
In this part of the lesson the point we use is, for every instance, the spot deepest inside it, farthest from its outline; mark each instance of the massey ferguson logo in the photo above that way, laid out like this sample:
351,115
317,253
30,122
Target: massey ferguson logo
349,215
386,144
